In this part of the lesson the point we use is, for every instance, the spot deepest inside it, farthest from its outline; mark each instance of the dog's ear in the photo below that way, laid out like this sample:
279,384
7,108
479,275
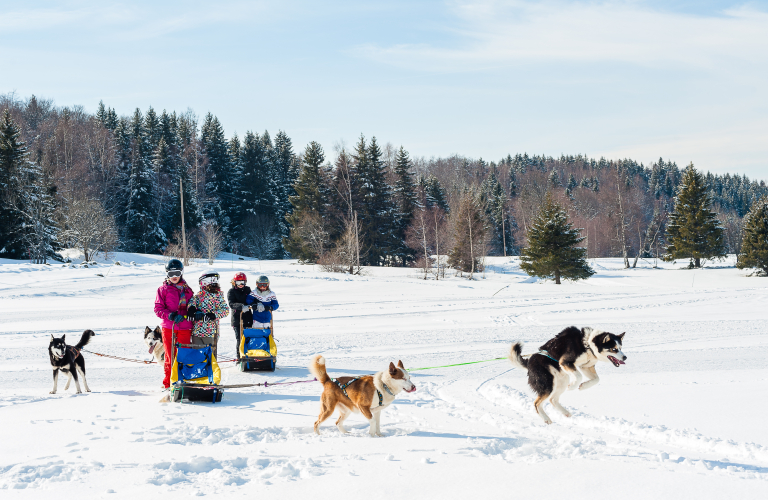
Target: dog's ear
400,365
52,338
62,338
392,369
157,330
147,330
607,338
621,337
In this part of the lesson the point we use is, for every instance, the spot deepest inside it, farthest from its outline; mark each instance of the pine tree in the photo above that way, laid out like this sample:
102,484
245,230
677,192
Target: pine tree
434,194
220,204
376,214
495,199
143,232
154,128
309,202
754,245
406,202
552,250
36,202
693,231
285,170
13,154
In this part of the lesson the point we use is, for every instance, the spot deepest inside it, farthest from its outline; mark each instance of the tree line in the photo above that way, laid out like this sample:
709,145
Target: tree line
107,182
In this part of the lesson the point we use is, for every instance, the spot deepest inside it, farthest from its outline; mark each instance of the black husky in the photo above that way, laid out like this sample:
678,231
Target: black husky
68,359
571,352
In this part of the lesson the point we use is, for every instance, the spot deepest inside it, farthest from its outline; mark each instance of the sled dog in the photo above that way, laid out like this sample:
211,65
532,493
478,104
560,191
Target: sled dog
68,359
368,395
571,353
154,341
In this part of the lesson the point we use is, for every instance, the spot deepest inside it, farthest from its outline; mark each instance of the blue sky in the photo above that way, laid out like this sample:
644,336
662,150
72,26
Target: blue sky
642,79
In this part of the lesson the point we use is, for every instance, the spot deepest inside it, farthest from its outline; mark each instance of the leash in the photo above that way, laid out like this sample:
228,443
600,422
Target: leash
455,364
120,358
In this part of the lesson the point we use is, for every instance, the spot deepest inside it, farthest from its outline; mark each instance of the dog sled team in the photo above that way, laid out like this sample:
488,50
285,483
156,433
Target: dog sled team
565,362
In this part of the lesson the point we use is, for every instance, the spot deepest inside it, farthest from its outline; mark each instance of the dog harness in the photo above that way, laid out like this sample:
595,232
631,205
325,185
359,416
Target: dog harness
545,353
343,388
75,351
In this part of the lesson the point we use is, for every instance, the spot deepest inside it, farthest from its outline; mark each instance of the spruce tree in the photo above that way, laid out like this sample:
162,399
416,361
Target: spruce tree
220,203
36,202
693,231
754,245
143,232
376,216
406,202
309,203
552,250
285,170
13,154
435,194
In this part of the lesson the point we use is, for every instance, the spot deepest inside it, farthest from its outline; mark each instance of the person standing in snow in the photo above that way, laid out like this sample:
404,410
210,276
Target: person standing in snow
262,301
206,307
171,307
236,297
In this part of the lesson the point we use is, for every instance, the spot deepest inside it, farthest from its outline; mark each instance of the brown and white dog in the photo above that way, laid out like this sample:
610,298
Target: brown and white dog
368,395
154,341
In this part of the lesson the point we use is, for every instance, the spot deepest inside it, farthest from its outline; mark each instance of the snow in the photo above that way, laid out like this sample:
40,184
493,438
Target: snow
684,418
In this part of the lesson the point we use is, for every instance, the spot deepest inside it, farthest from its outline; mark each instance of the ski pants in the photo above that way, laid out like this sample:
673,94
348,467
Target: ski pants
237,340
182,337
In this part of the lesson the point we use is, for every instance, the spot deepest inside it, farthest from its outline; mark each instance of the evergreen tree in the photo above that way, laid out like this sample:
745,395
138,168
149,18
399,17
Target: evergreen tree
220,204
309,202
495,199
754,245
552,250
406,202
101,114
154,128
143,233
376,215
285,170
435,194
469,228
36,202
13,154
693,231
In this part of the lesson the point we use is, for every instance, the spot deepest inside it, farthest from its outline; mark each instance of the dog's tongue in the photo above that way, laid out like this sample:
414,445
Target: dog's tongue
151,348
616,361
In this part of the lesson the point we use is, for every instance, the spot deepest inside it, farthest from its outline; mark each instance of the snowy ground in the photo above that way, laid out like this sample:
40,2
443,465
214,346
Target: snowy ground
684,418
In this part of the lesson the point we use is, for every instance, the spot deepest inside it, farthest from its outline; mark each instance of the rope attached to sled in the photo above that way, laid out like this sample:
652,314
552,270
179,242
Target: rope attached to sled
455,364
121,359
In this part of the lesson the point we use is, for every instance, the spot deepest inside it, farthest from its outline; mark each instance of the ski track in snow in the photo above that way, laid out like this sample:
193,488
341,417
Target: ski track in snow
672,416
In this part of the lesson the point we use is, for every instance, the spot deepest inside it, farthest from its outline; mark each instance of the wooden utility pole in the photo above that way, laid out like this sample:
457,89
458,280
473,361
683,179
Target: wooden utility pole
183,229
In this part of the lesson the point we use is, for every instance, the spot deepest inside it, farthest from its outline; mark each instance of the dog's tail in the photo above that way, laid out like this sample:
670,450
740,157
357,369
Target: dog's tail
85,339
516,357
317,368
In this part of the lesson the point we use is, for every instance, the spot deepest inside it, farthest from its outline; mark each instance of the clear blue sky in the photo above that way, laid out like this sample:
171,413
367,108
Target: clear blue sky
686,80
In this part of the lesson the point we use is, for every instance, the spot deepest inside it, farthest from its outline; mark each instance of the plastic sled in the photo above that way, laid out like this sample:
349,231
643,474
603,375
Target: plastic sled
258,351
195,375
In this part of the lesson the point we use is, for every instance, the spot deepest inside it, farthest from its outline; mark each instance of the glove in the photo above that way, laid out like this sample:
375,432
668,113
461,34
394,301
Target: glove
260,307
245,308
176,318
191,310
199,315
210,316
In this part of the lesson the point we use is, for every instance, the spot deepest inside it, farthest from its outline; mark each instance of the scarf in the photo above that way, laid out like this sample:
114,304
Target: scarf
182,287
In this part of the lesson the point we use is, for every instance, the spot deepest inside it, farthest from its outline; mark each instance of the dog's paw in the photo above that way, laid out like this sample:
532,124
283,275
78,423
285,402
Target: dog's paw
548,421
567,414
572,386
165,399
87,390
52,392
379,434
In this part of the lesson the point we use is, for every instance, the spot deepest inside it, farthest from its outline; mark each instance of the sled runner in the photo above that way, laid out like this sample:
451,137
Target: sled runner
258,351
195,375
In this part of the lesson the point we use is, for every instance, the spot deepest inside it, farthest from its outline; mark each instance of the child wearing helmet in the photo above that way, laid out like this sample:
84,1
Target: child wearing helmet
263,302
171,303
205,308
236,297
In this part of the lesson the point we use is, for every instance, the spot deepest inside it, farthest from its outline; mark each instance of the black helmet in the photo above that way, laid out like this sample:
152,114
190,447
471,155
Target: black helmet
174,265
262,282
209,279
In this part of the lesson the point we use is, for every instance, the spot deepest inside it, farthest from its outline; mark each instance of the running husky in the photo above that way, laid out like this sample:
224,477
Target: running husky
68,359
571,352
154,340
368,395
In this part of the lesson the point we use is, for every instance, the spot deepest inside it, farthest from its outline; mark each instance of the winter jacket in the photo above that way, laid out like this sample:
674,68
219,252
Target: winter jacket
269,299
207,302
167,301
236,298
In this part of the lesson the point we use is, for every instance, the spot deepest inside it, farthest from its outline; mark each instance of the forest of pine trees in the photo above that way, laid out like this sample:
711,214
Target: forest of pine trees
371,204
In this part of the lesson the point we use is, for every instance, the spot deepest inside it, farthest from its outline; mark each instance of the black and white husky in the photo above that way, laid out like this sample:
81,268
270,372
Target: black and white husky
68,359
559,364
154,341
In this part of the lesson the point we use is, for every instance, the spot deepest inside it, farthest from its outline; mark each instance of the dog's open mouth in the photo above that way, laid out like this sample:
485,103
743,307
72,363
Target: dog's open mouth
413,389
152,347
615,361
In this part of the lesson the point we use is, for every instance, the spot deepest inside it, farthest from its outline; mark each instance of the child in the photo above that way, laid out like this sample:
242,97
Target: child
266,302
206,307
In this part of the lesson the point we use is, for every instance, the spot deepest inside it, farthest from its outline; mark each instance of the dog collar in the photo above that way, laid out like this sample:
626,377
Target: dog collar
387,389
381,398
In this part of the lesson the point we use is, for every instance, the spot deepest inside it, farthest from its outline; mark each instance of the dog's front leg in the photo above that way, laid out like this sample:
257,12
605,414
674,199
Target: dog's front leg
377,420
55,380
570,368
69,380
592,378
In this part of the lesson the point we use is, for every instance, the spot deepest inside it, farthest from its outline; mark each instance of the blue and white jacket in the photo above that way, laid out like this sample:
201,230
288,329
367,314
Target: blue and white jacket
269,299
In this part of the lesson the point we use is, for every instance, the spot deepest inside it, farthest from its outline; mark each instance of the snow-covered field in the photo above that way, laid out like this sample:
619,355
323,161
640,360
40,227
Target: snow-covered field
684,418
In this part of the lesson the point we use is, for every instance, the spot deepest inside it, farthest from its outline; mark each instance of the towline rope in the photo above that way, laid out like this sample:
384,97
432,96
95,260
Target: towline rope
455,364
120,358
